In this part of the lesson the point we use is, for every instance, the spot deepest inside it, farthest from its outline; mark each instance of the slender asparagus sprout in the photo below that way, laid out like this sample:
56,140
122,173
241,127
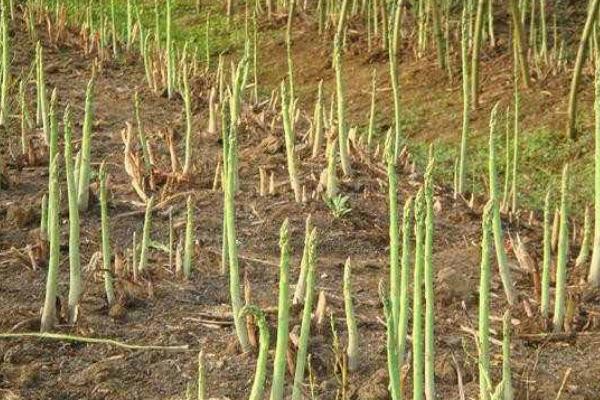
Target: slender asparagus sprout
417,330
484,303
544,30
306,317
86,146
288,48
129,31
74,258
520,42
201,377
255,58
299,291
332,182
6,66
352,349
147,231
288,127
392,349
25,119
146,154
187,99
594,273
371,128
41,88
283,315
230,215
339,84
466,102
263,352
169,52
393,56
106,251
113,27
584,250
49,317
318,122
404,279
516,129
145,48
394,233
188,248
44,218
476,49
545,289
562,256
53,148
429,276
438,33
579,61
496,221
505,195
507,390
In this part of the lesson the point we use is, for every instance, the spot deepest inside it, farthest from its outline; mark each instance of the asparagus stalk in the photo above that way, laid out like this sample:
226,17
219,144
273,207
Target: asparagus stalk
299,291
187,99
201,377
49,317
86,147
547,254
584,251
288,127
74,257
352,349
484,304
306,318
258,386
417,331
496,221
106,250
339,83
404,279
230,215
6,66
562,256
147,230
279,364
429,276
188,247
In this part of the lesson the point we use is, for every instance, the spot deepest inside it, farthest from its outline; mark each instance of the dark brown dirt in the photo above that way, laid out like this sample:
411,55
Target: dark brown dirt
163,310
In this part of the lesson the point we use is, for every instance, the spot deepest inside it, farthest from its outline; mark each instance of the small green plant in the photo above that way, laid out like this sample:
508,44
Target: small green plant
339,205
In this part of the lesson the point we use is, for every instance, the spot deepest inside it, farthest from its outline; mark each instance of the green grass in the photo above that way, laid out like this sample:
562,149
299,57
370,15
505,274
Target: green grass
188,25
542,152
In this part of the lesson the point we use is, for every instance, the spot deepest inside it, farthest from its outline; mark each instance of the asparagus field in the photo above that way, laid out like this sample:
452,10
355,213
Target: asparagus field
293,199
